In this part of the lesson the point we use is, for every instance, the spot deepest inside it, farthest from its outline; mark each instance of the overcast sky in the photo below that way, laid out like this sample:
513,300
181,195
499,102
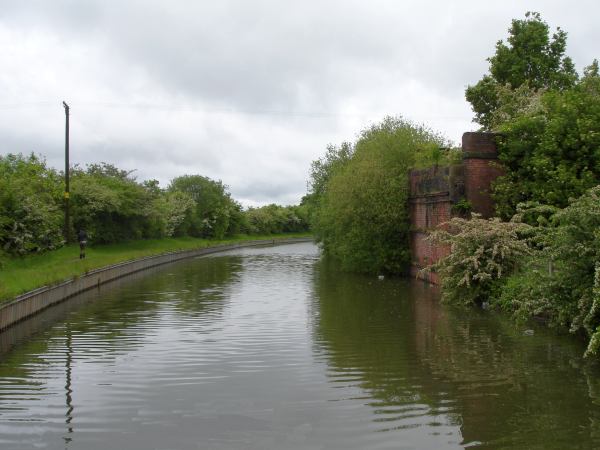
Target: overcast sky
248,92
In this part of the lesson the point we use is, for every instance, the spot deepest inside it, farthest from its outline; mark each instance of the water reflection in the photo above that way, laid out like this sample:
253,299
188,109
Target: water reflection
365,330
268,348
513,387
470,376
42,361
68,387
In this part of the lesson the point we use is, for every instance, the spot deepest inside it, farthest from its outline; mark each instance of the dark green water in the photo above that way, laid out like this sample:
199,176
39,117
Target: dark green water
269,348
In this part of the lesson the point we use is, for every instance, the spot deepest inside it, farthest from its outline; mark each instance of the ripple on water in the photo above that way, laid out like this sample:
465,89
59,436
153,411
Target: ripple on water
266,348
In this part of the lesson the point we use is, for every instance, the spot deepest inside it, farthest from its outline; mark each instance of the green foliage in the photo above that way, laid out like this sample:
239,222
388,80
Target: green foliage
31,217
361,216
273,219
324,168
548,117
534,214
111,206
213,210
530,60
544,264
171,210
560,282
482,253
321,171
594,329
463,207
552,153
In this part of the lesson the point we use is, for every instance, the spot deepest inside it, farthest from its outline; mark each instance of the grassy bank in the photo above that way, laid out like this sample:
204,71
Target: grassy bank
19,275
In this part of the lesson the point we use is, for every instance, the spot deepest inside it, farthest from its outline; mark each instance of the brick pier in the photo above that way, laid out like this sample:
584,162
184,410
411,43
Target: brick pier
434,192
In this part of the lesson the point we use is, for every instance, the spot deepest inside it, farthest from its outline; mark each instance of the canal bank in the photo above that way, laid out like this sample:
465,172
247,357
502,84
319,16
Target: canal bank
32,302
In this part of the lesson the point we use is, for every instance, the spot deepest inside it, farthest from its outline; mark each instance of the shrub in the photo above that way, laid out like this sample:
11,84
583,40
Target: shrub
562,283
482,253
273,218
214,210
31,215
362,213
111,206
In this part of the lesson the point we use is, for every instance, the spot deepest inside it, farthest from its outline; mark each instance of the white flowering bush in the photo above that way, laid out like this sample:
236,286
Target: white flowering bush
483,252
561,284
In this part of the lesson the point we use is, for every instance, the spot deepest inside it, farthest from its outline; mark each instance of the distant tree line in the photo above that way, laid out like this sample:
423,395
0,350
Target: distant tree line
112,206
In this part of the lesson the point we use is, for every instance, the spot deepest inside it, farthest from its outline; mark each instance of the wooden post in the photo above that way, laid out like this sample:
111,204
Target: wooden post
67,220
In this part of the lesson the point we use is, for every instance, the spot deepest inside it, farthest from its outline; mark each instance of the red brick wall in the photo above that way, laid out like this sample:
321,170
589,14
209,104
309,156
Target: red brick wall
481,168
430,206
425,253
433,192
426,213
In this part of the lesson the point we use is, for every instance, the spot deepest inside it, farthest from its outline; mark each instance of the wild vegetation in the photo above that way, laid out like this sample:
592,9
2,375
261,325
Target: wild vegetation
539,258
112,206
482,253
359,193
545,262
547,114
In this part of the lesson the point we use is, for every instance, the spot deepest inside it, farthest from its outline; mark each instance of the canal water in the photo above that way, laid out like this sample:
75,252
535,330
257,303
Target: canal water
272,348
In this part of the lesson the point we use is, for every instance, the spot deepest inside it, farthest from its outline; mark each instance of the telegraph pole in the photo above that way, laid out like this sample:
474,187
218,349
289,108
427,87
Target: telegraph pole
66,231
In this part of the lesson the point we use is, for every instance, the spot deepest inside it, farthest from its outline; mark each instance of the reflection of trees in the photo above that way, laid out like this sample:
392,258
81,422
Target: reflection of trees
511,387
478,370
360,332
191,286
102,323
204,283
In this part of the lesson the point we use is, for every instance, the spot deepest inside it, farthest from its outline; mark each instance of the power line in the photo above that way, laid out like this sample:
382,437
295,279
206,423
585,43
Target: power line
23,105
257,112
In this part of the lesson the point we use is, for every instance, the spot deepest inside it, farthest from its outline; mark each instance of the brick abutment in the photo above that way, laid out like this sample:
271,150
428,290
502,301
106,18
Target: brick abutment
435,192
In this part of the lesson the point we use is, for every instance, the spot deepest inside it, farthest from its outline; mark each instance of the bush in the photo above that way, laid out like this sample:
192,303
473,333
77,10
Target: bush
272,219
214,215
361,216
31,214
482,254
562,282
111,206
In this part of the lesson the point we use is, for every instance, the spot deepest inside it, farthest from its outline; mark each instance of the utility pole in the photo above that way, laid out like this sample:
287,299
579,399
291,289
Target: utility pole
66,231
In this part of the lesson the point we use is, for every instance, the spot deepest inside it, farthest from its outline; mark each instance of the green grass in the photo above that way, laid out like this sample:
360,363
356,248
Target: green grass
19,275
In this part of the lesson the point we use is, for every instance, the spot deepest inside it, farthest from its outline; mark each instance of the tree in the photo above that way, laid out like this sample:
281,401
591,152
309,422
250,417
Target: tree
31,216
213,208
324,168
530,60
362,218
273,218
552,153
112,206
321,171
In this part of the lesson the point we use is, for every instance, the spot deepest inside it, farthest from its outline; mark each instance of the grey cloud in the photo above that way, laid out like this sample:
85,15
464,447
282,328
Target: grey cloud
246,92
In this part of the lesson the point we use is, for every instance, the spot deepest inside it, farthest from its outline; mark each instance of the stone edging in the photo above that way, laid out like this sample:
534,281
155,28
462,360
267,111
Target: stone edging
32,302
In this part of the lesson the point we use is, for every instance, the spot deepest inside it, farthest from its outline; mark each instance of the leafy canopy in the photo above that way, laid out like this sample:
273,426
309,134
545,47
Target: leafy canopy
214,210
362,215
31,217
552,152
529,61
